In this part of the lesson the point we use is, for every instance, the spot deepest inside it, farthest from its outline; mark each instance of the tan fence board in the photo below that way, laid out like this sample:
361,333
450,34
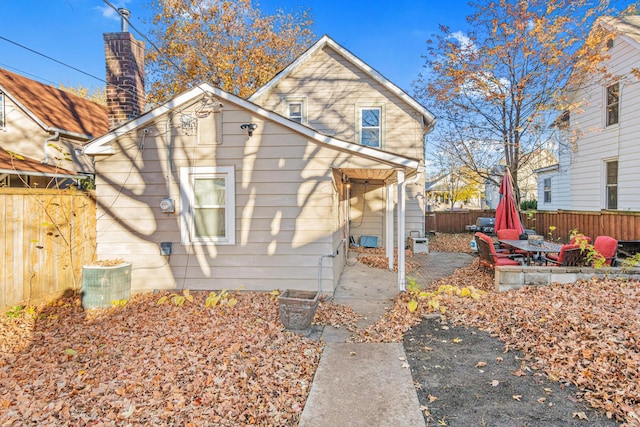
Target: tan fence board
47,235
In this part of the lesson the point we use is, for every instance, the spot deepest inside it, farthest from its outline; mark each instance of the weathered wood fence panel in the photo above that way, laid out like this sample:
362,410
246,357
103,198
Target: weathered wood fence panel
619,225
454,221
46,237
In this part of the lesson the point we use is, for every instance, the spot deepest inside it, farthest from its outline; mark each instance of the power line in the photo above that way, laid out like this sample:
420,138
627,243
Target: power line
52,59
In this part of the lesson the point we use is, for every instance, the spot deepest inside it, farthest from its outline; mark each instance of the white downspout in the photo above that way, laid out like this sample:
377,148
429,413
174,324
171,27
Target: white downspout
54,137
401,230
402,193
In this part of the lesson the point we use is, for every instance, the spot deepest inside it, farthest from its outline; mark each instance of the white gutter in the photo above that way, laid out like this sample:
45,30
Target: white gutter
45,174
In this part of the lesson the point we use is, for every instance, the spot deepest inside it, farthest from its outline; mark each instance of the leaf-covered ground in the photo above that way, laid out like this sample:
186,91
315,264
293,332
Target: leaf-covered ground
150,364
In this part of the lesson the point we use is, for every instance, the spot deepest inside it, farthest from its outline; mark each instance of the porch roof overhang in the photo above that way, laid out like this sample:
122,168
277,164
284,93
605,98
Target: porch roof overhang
16,164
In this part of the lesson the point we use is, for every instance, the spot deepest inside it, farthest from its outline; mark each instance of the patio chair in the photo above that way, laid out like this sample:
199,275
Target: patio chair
576,240
488,255
569,256
510,234
607,247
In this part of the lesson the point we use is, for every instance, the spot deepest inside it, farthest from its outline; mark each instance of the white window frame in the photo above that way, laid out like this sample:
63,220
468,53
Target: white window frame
608,185
381,125
546,190
613,105
2,111
187,232
303,109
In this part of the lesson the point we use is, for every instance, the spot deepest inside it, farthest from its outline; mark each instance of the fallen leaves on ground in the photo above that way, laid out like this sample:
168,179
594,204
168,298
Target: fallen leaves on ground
337,315
587,333
150,364
377,258
444,242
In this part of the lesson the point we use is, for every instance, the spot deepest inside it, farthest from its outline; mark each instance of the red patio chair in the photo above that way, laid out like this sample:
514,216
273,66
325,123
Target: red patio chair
488,255
510,234
607,247
576,240
569,255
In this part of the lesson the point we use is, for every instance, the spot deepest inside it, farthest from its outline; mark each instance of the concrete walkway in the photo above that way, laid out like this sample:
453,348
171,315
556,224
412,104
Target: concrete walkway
367,384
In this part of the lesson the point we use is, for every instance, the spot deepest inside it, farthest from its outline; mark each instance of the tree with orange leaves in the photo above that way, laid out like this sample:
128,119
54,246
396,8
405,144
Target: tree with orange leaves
498,89
229,43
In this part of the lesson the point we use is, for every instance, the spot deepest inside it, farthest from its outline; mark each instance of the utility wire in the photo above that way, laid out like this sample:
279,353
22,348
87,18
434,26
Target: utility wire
52,59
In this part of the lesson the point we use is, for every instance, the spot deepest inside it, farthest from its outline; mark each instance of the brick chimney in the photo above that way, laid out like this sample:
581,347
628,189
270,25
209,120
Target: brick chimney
125,74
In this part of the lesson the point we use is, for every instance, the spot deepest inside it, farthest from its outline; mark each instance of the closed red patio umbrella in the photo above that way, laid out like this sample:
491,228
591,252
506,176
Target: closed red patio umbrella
507,215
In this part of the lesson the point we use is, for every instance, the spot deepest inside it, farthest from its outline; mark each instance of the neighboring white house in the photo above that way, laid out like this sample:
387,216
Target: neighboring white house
599,154
466,193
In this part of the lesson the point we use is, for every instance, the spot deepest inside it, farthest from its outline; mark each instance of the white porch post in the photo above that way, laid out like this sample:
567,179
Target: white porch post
388,241
401,228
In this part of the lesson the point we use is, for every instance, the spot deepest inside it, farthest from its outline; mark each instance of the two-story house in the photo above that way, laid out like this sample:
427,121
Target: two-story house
43,131
334,92
213,191
598,150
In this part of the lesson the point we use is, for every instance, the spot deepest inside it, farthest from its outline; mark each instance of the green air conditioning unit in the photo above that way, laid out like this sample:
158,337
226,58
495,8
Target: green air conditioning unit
102,285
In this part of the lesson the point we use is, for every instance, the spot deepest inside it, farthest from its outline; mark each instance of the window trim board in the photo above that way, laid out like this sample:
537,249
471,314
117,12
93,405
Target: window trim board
187,198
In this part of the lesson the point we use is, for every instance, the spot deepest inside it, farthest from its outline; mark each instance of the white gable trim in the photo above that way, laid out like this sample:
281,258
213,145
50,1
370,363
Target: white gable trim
23,108
328,41
100,146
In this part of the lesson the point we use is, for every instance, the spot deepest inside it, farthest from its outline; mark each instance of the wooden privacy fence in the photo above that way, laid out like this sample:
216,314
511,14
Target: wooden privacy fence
617,224
46,237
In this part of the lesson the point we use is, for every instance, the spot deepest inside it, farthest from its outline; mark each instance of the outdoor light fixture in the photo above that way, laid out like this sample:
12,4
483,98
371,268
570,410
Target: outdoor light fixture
249,127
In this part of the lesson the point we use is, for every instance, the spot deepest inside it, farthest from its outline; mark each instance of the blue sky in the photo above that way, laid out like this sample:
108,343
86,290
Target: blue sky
388,35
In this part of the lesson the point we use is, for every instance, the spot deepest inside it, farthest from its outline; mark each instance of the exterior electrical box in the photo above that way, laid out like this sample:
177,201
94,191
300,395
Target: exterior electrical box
167,205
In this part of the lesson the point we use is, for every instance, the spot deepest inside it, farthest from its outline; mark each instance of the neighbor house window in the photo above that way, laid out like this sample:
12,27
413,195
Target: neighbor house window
370,126
1,110
547,190
612,184
209,214
613,103
295,109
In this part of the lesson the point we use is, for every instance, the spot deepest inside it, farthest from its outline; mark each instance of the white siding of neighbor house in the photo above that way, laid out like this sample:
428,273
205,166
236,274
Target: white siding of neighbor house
597,143
334,89
24,136
287,207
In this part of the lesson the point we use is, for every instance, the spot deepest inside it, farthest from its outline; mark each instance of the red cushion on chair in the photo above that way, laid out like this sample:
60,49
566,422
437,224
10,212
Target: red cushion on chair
505,261
553,257
508,234
607,247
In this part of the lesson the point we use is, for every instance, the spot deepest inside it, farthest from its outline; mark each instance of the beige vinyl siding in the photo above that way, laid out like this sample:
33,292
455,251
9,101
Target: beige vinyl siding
333,88
597,143
367,211
23,135
286,206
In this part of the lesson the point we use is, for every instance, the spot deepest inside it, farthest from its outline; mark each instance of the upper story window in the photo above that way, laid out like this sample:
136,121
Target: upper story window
611,185
209,214
296,110
370,131
613,102
547,190
2,123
